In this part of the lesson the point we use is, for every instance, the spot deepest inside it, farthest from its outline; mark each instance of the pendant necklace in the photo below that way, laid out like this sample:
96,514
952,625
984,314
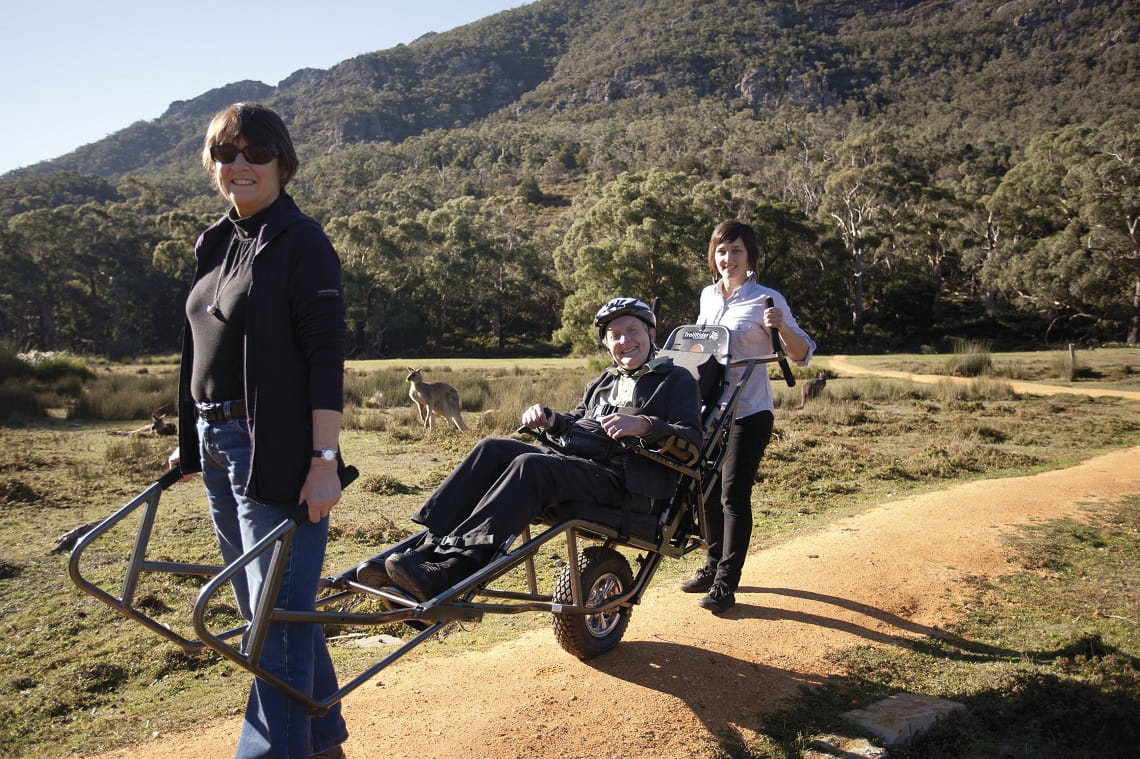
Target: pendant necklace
213,309
224,277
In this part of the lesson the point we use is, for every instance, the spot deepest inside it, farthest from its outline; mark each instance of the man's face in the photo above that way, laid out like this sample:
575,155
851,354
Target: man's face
629,340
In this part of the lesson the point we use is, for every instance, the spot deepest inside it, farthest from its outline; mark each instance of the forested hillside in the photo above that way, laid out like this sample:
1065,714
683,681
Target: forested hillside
918,171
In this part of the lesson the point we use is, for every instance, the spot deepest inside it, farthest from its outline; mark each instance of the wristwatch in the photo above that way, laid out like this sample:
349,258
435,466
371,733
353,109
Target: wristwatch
328,454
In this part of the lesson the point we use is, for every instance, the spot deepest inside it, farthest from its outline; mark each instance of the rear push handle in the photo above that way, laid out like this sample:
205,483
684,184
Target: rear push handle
778,347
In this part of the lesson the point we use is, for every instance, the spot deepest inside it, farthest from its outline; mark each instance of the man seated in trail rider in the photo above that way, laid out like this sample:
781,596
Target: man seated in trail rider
503,484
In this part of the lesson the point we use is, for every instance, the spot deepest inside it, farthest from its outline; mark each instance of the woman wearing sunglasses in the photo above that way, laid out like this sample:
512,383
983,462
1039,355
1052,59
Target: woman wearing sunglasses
260,399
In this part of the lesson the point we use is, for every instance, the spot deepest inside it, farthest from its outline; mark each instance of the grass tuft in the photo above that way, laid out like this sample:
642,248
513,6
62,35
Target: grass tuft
8,569
125,397
971,357
383,484
14,490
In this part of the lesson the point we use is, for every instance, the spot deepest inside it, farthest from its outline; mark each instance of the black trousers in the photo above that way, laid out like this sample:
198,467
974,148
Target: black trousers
728,510
501,486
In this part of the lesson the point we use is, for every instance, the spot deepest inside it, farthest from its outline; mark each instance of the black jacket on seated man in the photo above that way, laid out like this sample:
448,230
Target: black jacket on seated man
503,484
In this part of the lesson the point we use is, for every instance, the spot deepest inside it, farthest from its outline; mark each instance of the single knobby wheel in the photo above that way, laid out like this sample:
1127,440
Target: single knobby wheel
605,574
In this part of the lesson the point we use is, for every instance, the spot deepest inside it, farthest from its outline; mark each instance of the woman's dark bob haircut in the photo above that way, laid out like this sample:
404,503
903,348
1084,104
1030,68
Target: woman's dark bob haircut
259,126
729,231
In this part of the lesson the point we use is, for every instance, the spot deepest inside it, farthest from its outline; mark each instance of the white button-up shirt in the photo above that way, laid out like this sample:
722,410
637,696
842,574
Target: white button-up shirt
743,313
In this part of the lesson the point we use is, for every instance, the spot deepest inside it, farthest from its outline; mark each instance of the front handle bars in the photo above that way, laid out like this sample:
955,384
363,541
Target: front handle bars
137,563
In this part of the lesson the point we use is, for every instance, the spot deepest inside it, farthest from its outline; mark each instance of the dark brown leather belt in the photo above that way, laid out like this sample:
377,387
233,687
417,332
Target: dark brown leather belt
220,411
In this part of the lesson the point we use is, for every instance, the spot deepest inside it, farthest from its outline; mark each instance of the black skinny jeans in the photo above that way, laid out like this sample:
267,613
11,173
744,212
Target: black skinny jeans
728,511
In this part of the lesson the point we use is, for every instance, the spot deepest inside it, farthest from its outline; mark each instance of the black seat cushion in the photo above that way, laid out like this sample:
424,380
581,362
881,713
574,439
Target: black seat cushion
640,525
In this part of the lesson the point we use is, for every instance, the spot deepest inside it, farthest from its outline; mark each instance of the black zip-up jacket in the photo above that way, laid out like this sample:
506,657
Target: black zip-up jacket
666,395
294,349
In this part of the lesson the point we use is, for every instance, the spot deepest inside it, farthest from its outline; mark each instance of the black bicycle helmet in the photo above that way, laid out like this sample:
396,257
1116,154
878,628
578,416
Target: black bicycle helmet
623,307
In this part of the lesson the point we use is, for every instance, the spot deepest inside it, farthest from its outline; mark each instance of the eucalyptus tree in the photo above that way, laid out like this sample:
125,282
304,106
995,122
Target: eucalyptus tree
1108,184
1069,211
467,275
979,174
19,319
641,236
483,275
87,283
514,283
380,259
38,247
173,254
859,197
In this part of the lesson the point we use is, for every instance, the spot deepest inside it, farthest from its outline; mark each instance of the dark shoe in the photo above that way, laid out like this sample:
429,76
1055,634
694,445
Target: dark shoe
373,574
700,582
412,572
336,752
719,599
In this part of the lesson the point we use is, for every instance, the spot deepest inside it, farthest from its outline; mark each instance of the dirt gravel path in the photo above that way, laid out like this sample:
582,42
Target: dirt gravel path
843,364
682,678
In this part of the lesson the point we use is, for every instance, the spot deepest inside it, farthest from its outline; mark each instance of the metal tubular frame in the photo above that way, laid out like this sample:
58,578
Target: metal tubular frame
457,603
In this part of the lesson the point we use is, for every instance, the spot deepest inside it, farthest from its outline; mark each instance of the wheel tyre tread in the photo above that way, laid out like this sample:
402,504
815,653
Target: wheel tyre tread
570,630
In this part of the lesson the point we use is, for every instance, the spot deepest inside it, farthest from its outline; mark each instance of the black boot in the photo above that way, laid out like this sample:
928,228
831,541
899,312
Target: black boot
700,582
720,599
417,574
373,574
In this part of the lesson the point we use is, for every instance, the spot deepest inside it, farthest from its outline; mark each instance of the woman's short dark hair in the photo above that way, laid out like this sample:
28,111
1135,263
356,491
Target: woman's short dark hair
259,126
728,231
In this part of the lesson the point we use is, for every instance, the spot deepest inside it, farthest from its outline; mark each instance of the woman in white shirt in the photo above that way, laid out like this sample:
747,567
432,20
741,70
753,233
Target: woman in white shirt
737,301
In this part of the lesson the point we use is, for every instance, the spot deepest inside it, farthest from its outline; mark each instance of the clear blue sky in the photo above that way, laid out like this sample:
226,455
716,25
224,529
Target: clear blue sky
73,72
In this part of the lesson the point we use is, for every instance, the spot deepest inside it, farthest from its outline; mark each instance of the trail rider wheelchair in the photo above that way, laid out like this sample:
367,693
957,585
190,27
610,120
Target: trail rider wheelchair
591,602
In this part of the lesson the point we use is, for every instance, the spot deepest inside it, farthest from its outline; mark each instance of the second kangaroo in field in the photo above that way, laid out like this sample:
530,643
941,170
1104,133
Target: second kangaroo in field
812,388
434,398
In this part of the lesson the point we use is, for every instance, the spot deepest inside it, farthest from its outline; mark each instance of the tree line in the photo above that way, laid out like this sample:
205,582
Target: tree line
874,249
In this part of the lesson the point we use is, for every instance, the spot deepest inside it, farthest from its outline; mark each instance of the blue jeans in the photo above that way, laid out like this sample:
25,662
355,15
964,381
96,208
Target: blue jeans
276,726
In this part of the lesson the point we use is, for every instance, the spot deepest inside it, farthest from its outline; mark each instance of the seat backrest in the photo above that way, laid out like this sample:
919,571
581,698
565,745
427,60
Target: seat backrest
704,351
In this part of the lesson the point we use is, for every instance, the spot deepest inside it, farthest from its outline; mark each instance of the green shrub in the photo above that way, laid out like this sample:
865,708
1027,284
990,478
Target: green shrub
38,380
11,365
62,367
18,403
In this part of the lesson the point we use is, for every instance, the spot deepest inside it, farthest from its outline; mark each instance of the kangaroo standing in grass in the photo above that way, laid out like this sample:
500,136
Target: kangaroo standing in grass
434,398
812,388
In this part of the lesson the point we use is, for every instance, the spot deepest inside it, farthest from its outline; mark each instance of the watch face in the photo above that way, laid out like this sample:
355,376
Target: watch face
328,454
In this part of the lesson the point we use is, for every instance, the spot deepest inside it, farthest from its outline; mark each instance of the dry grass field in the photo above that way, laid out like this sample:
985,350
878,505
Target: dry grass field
75,676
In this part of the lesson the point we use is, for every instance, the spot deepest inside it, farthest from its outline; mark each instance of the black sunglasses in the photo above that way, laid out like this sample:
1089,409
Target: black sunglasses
228,152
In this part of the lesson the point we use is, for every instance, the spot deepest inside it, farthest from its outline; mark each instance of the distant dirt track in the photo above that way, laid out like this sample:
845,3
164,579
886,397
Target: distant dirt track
844,365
